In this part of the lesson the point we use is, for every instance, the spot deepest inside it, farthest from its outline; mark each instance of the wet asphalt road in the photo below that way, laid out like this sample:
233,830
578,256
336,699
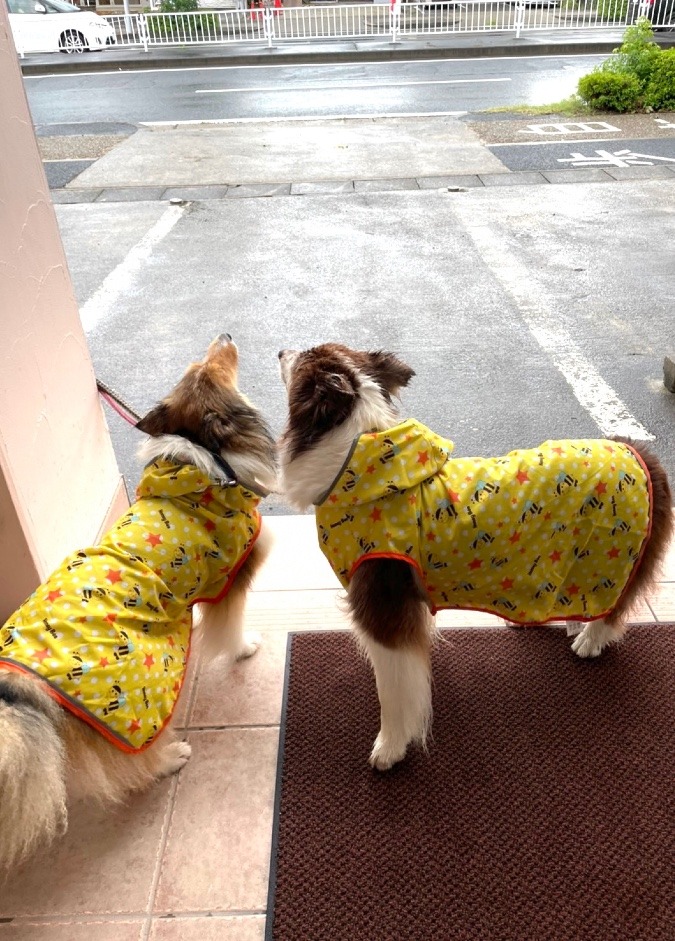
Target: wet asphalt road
269,91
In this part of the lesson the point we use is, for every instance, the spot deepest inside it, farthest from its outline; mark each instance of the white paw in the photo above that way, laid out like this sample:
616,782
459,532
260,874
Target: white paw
385,755
174,757
252,642
590,642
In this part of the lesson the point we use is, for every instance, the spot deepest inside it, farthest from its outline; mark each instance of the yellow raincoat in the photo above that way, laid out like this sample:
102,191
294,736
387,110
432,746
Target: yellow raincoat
553,532
110,629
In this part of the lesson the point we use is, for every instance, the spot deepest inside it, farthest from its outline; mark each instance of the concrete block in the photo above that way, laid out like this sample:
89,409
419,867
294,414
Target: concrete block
669,373
515,178
460,180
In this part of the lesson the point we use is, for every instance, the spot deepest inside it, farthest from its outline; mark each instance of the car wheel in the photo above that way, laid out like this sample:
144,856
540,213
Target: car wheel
72,41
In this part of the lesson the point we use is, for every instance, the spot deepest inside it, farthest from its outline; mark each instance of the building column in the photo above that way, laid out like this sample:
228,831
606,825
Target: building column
59,482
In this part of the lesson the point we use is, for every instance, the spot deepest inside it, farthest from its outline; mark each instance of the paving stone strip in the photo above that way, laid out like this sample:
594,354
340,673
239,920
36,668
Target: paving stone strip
453,184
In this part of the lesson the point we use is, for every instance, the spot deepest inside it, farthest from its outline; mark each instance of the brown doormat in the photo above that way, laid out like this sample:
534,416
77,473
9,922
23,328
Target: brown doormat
543,809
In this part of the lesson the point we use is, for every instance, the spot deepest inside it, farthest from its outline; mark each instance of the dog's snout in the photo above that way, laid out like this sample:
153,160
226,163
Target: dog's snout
281,354
225,337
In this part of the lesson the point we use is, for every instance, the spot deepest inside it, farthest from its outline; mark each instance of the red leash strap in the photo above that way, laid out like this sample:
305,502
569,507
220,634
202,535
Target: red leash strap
116,402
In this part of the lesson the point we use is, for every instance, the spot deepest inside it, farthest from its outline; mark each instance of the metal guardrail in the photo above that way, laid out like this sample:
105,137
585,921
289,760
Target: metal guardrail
393,21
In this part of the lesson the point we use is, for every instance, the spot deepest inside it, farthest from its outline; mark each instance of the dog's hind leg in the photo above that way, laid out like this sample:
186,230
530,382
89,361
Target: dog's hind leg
596,635
394,628
404,690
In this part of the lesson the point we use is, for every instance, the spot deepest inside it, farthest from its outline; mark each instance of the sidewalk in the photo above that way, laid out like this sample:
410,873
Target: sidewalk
188,860
471,45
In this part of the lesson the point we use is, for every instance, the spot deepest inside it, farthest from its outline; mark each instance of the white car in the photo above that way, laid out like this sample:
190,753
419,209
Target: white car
54,25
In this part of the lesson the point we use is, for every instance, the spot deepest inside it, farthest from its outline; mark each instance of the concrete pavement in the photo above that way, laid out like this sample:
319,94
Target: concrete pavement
297,157
407,233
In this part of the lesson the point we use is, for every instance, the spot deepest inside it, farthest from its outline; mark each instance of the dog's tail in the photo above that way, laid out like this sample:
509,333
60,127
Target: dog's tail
32,769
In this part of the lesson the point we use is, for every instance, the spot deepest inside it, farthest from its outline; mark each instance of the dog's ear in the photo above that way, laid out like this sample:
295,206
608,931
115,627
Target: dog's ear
334,398
216,431
390,371
156,422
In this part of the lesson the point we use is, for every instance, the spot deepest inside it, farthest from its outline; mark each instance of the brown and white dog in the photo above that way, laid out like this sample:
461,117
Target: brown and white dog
340,404
91,665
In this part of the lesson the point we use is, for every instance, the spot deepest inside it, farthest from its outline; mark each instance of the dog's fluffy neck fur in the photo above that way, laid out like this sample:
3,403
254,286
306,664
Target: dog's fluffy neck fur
250,470
307,476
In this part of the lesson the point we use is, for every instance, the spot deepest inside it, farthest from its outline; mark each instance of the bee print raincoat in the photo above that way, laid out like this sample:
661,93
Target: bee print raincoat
553,532
110,629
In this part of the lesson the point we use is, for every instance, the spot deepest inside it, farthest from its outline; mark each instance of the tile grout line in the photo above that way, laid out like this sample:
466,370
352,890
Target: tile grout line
193,691
159,859
96,918
229,726
168,817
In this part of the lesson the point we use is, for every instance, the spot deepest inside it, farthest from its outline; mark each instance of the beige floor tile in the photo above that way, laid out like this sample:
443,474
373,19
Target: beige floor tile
641,613
235,928
668,567
317,610
467,619
104,864
247,693
295,562
662,601
217,853
94,930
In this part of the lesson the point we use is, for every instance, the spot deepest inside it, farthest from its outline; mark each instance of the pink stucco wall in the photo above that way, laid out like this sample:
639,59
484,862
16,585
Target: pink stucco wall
59,481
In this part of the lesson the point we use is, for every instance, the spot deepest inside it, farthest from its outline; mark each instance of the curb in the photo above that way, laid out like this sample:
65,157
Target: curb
458,183
512,48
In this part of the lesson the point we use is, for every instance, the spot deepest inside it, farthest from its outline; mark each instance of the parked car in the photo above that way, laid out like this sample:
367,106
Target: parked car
51,25
661,13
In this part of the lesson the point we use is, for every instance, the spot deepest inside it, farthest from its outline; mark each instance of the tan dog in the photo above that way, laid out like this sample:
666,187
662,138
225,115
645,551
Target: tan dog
91,665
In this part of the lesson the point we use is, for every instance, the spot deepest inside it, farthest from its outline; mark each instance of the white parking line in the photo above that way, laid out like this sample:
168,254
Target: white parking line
342,85
598,398
566,140
101,304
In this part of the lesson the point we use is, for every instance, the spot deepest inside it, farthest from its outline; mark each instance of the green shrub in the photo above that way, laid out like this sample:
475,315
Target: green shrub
611,10
637,55
178,6
159,27
660,92
610,91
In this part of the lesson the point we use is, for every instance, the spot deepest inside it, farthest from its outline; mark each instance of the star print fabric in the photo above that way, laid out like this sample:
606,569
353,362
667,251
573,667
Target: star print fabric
110,629
547,533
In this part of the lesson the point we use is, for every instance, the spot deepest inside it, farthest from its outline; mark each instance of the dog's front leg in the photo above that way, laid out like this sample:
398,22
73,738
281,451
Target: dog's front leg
222,627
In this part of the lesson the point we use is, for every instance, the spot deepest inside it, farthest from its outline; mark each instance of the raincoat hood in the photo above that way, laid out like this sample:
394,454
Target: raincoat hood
381,463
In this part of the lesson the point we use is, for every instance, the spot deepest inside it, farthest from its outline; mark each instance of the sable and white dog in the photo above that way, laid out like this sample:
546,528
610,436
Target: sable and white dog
92,663
570,530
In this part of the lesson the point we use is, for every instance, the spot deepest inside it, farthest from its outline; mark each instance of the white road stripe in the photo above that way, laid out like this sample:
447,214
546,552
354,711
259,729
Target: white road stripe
101,304
598,398
287,89
307,117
